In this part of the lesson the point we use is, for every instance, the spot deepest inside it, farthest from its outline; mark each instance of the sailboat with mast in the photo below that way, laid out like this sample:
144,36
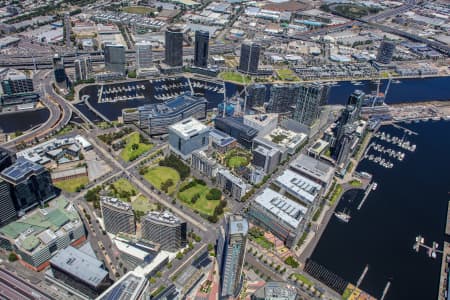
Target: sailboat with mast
343,216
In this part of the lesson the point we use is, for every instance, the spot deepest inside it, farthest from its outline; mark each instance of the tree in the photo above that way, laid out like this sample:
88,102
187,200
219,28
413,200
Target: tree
214,194
290,261
12,257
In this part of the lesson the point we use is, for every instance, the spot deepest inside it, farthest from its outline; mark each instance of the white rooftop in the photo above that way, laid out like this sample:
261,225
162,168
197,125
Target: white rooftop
281,207
298,185
260,119
313,168
286,138
188,128
129,249
128,287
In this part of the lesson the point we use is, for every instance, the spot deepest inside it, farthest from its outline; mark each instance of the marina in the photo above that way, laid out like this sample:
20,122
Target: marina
384,153
402,143
393,218
432,251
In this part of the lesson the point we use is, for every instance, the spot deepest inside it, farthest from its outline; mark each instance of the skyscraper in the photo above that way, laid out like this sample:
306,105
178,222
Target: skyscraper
67,28
356,99
249,60
174,46
15,82
144,58
7,211
83,68
231,247
345,147
385,52
30,184
283,97
256,95
201,48
350,114
115,58
118,216
165,229
310,98
58,69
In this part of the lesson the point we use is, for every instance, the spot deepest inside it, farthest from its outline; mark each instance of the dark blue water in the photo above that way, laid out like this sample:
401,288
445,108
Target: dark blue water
411,199
113,110
408,90
23,120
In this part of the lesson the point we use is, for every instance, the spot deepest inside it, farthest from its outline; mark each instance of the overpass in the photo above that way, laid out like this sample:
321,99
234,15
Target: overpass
60,114
45,61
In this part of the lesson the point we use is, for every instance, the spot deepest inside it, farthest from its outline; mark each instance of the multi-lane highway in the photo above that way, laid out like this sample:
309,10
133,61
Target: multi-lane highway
44,60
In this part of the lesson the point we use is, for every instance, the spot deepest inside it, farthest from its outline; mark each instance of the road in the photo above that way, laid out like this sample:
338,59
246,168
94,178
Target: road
60,113
44,61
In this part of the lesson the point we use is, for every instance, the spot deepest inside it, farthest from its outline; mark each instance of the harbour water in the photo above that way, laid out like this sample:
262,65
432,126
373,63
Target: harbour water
22,121
407,90
411,199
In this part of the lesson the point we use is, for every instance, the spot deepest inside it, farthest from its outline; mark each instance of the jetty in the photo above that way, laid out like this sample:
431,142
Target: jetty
366,193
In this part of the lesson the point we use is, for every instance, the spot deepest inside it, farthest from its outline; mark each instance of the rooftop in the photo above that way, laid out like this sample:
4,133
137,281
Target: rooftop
21,170
117,203
42,226
221,138
13,74
319,146
170,107
313,167
163,216
128,287
230,176
188,128
129,249
299,185
281,207
286,138
80,265
260,119
237,123
238,225
277,291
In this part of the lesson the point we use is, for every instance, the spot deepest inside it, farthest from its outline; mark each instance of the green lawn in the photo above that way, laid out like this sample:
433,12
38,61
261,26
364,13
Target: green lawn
236,77
124,187
303,279
287,75
160,174
237,161
71,185
237,157
355,183
68,128
141,203
130,154
140,10
263,242
203,205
